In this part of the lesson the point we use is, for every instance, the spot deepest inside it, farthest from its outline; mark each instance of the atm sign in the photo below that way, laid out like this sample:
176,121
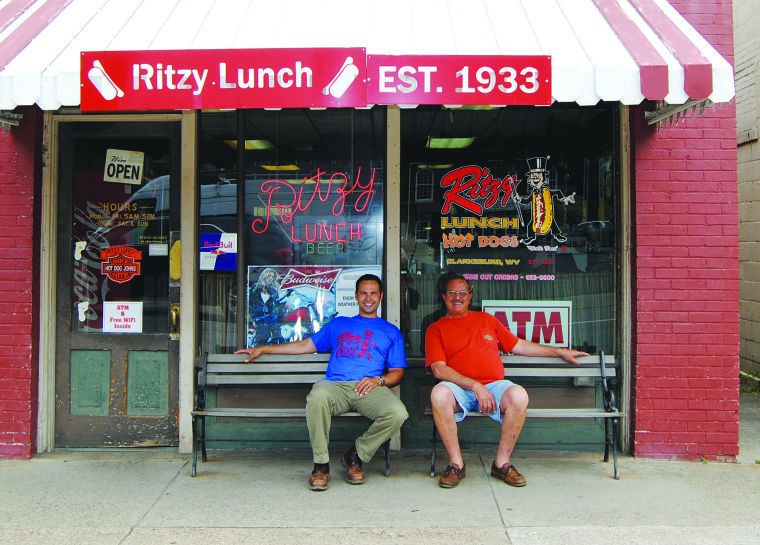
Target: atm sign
544,322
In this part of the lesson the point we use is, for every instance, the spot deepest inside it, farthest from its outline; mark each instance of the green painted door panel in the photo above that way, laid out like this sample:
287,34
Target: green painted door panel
148,383
90,382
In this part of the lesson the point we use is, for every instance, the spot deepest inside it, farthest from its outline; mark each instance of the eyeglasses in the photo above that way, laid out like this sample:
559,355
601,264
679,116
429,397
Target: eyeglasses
462,293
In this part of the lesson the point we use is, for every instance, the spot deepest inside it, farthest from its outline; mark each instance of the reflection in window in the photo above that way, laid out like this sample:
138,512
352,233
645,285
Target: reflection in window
423,187
312,200
525,209
120,231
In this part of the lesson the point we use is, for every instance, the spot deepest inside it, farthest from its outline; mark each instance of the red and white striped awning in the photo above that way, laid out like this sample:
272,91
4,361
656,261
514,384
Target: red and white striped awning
601,50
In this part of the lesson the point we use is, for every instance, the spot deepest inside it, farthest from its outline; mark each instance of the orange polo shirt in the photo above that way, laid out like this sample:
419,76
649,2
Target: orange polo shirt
470,345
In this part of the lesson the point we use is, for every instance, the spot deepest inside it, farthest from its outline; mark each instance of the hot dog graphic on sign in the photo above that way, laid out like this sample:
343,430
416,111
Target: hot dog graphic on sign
542,201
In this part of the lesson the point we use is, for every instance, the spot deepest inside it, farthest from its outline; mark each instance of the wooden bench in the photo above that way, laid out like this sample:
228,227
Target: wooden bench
599,369
229,370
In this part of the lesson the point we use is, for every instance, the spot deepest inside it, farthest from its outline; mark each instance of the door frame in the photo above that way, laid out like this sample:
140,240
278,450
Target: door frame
48,269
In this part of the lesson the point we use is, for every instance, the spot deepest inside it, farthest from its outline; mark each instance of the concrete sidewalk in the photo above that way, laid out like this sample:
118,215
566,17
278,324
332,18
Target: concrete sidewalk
136,497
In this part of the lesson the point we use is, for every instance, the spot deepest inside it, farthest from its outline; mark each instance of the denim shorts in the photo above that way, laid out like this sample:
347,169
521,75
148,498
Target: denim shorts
468,402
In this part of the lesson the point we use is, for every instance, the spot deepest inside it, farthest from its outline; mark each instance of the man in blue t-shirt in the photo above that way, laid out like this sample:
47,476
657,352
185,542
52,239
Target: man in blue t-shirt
367,357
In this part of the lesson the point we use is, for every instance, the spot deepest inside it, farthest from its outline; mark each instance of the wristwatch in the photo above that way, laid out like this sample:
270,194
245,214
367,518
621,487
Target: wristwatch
382,380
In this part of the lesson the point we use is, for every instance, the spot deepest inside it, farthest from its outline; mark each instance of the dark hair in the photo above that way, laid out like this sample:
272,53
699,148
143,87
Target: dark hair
444,280
369,278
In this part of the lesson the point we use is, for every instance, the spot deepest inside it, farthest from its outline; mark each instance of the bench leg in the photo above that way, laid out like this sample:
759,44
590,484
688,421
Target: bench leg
387,446
194,464
204,456
199,442
615,443
612,440
606,440
432,452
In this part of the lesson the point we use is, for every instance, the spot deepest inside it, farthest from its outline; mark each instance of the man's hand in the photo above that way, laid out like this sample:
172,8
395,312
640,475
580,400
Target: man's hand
487,404
366,385
252,353
570,355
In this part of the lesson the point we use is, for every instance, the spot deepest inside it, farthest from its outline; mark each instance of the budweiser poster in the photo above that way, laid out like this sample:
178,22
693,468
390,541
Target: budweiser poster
292,302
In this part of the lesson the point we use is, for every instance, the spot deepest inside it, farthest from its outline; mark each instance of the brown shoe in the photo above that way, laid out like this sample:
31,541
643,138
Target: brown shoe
320,477
353,465
507,473
451,476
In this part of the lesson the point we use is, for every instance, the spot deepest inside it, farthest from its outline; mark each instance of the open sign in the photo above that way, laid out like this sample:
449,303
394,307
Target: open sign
124,167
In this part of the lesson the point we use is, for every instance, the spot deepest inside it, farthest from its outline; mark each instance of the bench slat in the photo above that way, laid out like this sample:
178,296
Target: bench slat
247,380
531,361
241,412
555,413
572,413
268,358
231,375
262,368
556,372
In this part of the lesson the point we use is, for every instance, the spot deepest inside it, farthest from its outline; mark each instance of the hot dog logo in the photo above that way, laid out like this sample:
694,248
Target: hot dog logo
103,82
542,203
342,80
543,215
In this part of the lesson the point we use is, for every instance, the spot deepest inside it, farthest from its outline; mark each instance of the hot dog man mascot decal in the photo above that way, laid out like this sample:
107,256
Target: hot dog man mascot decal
542,202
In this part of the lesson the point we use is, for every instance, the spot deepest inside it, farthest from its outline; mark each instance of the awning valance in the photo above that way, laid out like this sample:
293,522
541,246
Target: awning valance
601,50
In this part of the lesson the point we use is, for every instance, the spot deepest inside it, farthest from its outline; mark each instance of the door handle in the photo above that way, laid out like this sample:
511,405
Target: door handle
174,321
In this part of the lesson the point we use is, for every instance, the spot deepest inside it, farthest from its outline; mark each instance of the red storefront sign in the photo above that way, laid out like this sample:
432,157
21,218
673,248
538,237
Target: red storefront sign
459,79
120,263
223,78
305,78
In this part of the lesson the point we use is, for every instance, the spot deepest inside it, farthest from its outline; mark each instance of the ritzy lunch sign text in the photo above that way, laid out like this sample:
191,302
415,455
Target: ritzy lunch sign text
305,78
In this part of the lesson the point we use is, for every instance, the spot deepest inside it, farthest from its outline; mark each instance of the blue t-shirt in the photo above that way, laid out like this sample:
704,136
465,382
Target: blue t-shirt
360,347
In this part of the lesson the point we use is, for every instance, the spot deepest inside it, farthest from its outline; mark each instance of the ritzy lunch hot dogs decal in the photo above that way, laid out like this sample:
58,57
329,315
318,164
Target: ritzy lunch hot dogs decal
504,223
543,202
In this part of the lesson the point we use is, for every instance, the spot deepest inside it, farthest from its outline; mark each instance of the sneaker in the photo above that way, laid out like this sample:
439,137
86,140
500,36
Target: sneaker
353,465
320,477
507,473
451,476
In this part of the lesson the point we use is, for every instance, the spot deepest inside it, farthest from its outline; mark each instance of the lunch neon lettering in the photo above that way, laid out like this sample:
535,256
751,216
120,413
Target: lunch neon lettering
284,200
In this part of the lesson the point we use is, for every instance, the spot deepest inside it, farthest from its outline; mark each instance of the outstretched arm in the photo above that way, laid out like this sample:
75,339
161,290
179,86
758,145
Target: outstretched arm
528,348
305,346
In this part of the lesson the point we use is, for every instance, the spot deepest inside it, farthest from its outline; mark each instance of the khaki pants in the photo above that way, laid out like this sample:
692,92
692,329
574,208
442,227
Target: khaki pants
327,399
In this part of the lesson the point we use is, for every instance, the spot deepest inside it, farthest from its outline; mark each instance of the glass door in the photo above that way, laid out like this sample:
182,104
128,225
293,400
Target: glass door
118,284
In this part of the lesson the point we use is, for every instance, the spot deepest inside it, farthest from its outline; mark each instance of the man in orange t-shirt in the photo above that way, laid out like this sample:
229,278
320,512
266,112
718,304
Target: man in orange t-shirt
462,350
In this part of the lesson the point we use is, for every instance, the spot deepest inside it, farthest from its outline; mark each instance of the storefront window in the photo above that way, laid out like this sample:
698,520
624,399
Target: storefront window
309,222
522,201
121,227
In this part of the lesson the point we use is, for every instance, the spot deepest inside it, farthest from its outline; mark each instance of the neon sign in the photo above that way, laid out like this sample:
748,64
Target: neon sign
284,200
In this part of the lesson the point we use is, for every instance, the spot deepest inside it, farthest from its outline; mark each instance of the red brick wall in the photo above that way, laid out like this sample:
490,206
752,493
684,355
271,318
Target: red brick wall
19,265
686,373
